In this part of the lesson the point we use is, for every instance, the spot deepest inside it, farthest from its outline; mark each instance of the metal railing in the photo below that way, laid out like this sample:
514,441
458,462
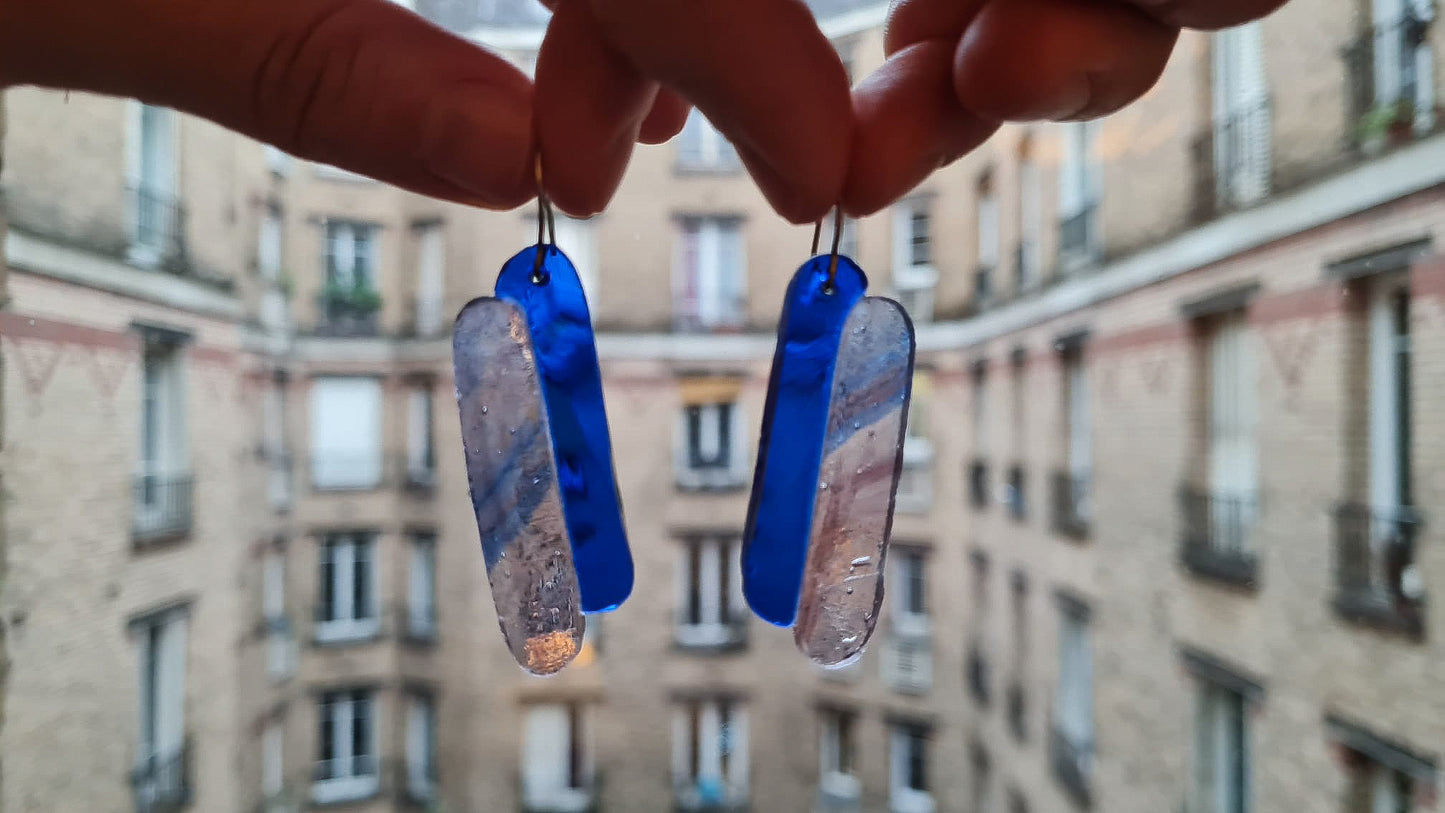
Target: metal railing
161,783
1232,161
341,318
906,665
1385,97
983,286
729,316
159,221
1216,531
162,506
1077,240
1070,503
1015,493
345,780
978,485
346,470
1375,570
978,675
1071,763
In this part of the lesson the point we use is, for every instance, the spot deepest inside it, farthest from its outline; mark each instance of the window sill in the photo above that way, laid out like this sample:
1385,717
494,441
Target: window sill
1371,610
1239,570
344,633
731,485
911,801
345,790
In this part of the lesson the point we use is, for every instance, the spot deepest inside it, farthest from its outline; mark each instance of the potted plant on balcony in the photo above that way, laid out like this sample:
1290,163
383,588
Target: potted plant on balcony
350,307
1387,124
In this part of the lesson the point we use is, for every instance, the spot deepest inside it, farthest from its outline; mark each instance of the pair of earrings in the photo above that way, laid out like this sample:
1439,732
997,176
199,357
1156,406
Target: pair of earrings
539,459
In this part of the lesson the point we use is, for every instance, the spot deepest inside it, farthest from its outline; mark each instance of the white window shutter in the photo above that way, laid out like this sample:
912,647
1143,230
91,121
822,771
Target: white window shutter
346,432
431,279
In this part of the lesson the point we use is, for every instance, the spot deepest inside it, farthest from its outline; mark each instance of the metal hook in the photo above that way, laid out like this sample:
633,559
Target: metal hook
833,254
545,219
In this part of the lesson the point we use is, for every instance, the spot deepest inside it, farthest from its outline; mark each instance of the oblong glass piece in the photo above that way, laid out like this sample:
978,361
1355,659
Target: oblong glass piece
775,538
842,586
515,491
566,354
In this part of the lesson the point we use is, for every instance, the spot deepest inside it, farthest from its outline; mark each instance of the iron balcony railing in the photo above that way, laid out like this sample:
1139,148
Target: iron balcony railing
162,506
1070,503
161,783
1216,535
159,220
1376,576
727,634
1232,161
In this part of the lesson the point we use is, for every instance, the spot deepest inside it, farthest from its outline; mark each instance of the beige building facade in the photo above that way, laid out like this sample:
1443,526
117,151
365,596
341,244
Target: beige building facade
1165,535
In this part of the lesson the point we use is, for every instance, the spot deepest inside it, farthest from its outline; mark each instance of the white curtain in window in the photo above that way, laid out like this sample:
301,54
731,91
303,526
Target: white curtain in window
546,752
988,230
419,432
268,245
273,585
431,279
1080,448
170,688
419,737
1030,220
272,760
1241,114
346,432
1233,458
421,585
1384,404
1076,683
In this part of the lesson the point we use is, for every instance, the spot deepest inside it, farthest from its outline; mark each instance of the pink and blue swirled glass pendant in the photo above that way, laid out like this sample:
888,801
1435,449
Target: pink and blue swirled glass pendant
539,458
829,460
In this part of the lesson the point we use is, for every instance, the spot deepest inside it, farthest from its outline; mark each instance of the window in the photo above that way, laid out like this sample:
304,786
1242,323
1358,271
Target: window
978,482
701,147
347,610
346,767
273,765
161,779
710,593
710,753
915,482
280,644
710,287
1072,504
1031,219
711,453
557,765
909,593
276,160
420,441
1078,195
431,265
163,483
837,772
1384,775
276,446
1073,735
152,167
1222,751
1017,702
350,255
268,245
1233,458
1394,64
977,665
1015,488
345,433
421,721
1241,116
987,237
578,241
982,779
914,275
908,769
421,613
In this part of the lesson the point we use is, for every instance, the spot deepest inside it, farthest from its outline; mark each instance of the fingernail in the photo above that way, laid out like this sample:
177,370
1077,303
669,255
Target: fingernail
480,139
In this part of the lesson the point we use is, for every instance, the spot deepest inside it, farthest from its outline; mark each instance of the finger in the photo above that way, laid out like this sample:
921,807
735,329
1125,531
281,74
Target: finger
666,119
1058,59
1208,14
763,73
913,21
590,106
908,124
362,84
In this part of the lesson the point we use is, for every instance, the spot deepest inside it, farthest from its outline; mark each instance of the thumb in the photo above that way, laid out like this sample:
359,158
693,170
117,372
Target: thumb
362,84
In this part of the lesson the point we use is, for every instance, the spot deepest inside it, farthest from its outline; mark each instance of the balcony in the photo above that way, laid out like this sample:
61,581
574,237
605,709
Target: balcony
338,631
978,485
1071,762
983,286
349,779
1017,710
906,665
1070,503
158,222
161,783
1078,241
162,507
978,676
357,470
348,311
1232,162
710,637
1215,539
1377,580
1015,493
1388,104
915,481
839,793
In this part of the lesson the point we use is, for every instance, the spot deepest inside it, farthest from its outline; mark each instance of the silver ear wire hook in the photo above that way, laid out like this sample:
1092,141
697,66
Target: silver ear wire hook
833,254
545,219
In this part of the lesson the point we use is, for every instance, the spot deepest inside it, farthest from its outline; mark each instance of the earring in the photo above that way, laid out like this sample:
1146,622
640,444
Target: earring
829,459
538,453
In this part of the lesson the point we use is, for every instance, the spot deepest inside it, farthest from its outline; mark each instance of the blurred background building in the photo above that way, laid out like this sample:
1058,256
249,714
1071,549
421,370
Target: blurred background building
1165,538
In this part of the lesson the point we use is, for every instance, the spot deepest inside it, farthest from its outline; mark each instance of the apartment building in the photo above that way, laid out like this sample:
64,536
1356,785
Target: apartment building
1163,535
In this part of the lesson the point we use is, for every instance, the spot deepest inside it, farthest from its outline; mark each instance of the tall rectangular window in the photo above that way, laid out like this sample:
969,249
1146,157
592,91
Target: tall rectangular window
280,644
711,450
163,482
710,593
347,608
987,238
268,245
1073,506
161,777
710,753
1073,735
1397,63
421,607
1242,131
431,262
345,433
346,767
710,283
701,147
1391,485
1233,456
153,169
1221,751
273,762
421,723
420,437
838,752
914,272
909,789
350,259
1028,263
578,240
909,591
1079,187
557,761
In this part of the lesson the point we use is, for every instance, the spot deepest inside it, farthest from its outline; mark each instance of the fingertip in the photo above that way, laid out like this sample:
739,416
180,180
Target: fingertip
666,118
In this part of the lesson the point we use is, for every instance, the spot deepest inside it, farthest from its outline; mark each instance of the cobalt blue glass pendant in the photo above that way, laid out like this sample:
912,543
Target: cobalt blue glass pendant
539,457
829,460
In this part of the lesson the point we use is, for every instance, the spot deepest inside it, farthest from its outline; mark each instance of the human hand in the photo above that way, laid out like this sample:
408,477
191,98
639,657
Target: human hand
362,84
